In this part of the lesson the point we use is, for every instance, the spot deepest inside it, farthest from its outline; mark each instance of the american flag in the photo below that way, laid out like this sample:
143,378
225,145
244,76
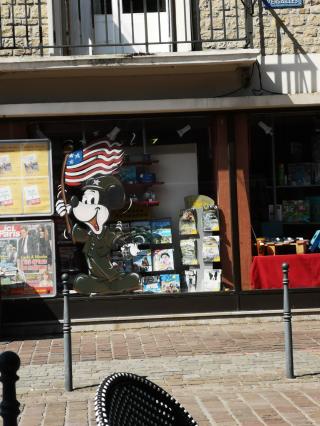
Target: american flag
100,158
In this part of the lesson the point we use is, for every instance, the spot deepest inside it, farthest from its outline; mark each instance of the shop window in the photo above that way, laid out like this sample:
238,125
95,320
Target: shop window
285,183
170,212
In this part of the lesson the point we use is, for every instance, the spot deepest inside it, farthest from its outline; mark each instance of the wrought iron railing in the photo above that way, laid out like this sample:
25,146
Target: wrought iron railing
72,27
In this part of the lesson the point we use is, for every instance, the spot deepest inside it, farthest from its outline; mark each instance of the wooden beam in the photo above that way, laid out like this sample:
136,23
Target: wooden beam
243,196
219,141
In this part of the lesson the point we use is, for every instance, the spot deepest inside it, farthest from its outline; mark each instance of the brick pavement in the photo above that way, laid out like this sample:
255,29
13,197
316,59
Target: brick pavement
224,374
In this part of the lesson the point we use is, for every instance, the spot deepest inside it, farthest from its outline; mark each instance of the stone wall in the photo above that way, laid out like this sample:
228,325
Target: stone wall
282,31
24,23
275,31
278,31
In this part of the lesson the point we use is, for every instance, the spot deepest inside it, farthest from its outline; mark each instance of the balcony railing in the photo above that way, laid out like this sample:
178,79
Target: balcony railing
93,27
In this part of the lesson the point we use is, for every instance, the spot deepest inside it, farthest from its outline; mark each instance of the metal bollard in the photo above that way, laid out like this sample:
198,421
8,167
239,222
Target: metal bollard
287,323
9,407
67,336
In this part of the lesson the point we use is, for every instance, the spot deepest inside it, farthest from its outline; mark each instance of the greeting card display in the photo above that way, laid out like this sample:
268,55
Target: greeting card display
188,222
163,260
189,252
200,254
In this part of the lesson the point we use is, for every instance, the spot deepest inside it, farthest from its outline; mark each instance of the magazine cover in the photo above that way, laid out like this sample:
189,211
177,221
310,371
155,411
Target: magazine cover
211,280
189,252
210,218
170,283
210,248
188,222
143,261
151,284
161,231
27,257
163,260
191,280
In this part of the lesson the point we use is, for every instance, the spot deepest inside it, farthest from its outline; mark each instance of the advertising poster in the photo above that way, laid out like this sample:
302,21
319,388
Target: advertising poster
25,185
27,259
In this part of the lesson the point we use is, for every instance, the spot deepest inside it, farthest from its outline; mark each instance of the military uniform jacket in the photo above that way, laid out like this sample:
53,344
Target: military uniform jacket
97,250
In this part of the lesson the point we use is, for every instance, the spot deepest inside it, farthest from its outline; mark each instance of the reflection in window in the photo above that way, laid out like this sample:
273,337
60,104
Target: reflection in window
137,6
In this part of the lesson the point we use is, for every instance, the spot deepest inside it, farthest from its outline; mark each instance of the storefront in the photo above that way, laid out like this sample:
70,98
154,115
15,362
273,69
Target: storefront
209,190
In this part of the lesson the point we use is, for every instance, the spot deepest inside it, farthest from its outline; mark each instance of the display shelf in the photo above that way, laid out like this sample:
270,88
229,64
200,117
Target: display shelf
293,186
146,203
140,163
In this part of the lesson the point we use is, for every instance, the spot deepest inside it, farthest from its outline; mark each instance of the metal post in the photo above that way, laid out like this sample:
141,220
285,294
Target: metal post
9,406
66,335
287,323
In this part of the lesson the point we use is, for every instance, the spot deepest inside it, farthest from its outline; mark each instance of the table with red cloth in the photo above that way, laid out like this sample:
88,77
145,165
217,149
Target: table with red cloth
304,271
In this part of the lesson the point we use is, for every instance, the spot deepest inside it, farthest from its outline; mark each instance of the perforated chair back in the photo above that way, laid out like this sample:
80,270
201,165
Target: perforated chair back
125,399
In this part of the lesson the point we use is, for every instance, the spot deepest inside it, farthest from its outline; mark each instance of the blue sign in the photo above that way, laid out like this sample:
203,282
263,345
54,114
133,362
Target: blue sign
282,4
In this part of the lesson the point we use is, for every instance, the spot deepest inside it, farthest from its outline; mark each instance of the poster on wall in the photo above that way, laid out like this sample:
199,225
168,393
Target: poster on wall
27,259
25,183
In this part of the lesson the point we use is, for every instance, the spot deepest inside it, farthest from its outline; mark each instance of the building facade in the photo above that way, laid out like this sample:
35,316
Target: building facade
228,91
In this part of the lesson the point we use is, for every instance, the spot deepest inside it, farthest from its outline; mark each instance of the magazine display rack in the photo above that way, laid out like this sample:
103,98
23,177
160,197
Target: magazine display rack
200,248
155,260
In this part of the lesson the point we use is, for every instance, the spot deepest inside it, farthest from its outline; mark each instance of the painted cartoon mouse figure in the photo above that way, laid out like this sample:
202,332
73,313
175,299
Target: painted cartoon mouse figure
101,194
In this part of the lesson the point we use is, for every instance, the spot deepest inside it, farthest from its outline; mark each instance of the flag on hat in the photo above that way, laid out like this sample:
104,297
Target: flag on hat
100,158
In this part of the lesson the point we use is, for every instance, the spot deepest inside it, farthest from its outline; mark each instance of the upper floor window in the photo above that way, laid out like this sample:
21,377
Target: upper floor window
136,6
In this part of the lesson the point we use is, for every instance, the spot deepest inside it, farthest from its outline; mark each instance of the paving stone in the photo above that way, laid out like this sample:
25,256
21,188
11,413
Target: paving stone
224,374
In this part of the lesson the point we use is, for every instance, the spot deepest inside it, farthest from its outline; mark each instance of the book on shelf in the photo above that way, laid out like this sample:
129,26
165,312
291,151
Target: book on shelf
210,218
162,260
142,262
188,222
211,248
189,252
161,231
296,210
300,174
170,283
151,283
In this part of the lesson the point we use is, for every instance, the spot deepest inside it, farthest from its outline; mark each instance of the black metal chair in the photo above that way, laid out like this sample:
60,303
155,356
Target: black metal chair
125,399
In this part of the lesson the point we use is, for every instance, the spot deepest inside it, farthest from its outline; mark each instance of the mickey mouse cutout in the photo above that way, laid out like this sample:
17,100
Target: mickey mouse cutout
101,195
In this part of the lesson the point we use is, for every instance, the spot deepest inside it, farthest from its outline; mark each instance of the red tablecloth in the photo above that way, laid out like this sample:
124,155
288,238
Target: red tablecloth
304,271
